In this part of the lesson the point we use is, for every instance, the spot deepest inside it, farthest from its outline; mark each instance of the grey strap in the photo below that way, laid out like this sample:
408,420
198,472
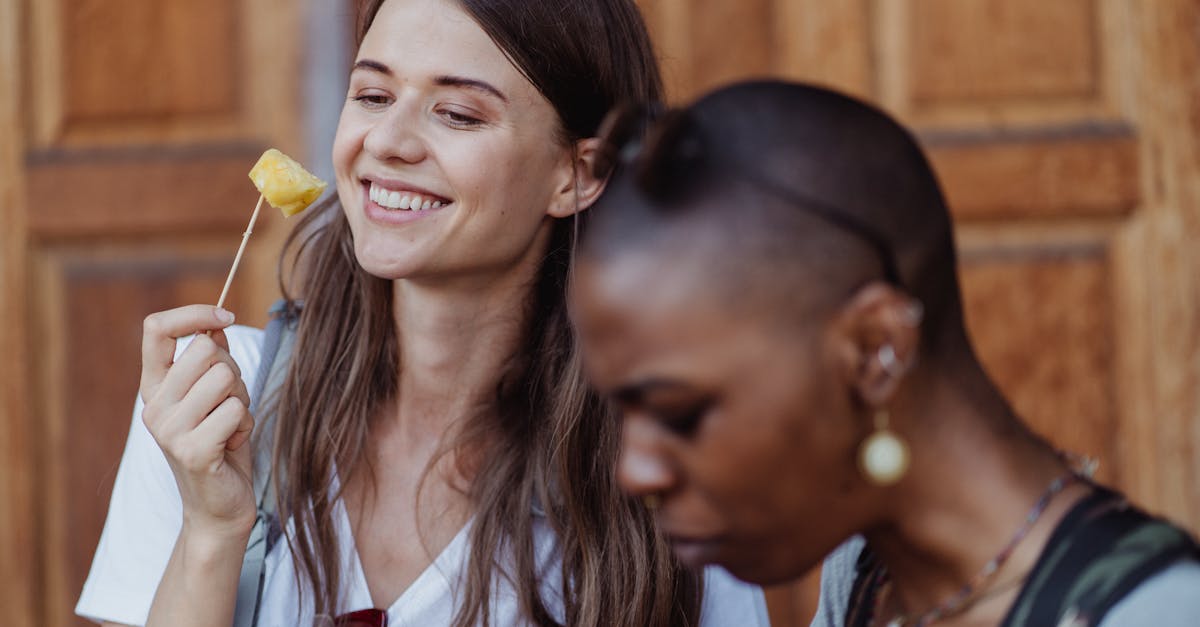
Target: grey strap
278,342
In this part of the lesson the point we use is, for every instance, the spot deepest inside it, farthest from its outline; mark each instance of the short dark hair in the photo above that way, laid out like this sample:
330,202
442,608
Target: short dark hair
842,183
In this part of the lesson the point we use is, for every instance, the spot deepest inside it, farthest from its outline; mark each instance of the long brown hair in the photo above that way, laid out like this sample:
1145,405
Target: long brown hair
551,441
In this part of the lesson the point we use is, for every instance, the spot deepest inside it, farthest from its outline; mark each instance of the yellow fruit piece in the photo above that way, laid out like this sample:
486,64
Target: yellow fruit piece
284,183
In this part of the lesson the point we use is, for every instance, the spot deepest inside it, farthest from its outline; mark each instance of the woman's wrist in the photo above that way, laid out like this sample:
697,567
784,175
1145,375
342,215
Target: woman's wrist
213,543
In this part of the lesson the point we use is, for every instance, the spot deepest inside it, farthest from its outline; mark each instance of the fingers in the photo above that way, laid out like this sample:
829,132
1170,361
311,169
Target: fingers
228,425
217,385
159,332
242,434
201,356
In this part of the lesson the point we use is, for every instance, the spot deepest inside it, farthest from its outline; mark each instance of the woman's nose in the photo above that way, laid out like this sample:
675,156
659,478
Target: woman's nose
396,135
642,469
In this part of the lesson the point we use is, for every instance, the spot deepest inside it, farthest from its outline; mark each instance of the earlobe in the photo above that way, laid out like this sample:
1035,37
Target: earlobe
580,187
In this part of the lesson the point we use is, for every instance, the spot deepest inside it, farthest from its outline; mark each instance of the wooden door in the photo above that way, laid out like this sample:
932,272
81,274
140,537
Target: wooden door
128,129
1067,137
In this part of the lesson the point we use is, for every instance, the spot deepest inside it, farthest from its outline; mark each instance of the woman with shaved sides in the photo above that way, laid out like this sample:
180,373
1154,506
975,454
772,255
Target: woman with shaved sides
433,454
768,290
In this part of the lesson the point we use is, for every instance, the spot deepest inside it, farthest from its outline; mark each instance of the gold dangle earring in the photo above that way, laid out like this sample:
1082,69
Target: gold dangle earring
883,456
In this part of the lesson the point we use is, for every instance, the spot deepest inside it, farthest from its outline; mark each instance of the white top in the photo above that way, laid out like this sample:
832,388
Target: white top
145,516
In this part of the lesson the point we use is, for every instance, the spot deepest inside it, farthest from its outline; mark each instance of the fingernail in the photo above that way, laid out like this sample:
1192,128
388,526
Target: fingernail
225,316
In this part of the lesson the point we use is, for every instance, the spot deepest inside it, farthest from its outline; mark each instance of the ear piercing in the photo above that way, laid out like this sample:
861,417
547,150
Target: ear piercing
652,501
887,360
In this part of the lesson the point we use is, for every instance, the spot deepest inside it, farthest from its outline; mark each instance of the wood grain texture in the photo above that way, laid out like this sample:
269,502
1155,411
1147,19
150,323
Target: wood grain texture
142,119
148,58
1159,264
1002,50
18,537
1071,173
825,42
731,41
145,72
1041,323
160,191
91,307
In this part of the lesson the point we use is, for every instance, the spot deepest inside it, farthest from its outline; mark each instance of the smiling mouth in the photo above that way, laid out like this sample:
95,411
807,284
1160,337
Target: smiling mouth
395,200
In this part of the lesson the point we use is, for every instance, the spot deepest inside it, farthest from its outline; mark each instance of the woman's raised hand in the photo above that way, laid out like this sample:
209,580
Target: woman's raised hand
197,409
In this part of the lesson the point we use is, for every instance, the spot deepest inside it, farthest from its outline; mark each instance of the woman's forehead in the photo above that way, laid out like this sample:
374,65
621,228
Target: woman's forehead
431,38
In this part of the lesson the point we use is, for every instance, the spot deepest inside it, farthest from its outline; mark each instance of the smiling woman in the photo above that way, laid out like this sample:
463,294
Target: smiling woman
437,456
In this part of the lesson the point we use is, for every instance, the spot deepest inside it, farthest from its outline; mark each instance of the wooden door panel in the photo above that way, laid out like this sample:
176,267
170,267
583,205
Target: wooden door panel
138,121
142,192
973,52
126,59
1075,172
1041,319
91,303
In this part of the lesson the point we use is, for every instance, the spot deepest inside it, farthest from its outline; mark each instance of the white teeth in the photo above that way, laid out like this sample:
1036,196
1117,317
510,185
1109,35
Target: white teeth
397,200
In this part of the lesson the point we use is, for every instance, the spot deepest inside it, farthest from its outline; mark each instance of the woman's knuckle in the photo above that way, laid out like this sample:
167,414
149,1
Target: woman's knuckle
153,324
224,375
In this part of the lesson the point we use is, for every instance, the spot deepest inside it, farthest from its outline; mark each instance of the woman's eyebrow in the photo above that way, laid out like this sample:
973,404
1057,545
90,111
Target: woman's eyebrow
441,81
470,83
373,66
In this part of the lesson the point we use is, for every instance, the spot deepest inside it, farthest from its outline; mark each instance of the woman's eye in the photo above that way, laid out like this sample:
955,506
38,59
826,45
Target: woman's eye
372,101
684,423
458,118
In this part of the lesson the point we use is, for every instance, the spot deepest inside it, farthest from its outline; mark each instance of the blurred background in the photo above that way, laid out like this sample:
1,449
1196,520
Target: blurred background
1066,133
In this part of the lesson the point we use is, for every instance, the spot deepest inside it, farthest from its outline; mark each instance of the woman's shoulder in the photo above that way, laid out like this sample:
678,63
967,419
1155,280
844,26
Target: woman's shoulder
1168,599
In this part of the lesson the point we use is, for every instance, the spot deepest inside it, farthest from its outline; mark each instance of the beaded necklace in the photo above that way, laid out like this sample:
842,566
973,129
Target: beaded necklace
959,600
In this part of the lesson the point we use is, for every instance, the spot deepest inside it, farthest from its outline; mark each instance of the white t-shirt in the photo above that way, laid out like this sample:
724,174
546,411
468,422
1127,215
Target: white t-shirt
145,516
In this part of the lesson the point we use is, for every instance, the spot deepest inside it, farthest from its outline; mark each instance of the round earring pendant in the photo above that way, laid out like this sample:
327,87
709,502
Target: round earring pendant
883,458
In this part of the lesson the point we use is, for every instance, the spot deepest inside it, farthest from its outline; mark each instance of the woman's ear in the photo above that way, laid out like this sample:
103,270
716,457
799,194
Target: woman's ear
579,186
880,328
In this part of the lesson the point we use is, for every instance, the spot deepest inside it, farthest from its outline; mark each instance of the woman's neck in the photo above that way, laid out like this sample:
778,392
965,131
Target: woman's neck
456,338
976,476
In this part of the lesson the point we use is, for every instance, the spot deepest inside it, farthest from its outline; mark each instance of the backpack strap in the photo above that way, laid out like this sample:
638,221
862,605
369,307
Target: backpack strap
1100,552
279,340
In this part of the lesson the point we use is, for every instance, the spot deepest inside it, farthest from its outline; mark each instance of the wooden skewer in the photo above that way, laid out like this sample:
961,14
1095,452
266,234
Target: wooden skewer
241,249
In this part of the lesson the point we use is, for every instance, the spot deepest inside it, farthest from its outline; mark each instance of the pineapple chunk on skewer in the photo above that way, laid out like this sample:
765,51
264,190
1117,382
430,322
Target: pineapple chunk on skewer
285,183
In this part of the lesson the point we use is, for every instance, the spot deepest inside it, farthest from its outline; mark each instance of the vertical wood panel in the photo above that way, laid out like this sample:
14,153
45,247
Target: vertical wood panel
998,50
143,120
733,40
17,540
1041,321
1159,263
825,42
91,306
139,58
